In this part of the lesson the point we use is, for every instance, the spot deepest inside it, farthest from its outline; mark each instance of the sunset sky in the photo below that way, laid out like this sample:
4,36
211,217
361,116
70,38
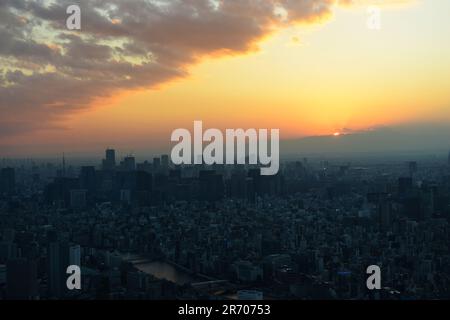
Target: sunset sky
140,69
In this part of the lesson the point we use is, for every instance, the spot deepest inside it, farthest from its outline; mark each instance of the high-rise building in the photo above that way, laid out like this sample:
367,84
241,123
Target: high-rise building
165,161
54,272
58,260
156,164
111,156
129,163
75,255
7,180
448,158
109,163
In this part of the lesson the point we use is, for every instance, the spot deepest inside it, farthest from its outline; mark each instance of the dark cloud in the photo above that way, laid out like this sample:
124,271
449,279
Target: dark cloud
48,71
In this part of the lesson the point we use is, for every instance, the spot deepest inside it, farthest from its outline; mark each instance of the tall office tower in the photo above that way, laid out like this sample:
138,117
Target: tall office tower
21,279
54,272
129,163
164,164
448,158
75,255
109,163
111,156
7,180
165,161
64,165
156,164
58,261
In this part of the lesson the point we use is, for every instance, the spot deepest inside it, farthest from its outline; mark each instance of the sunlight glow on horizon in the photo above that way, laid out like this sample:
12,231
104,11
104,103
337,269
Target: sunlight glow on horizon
305,80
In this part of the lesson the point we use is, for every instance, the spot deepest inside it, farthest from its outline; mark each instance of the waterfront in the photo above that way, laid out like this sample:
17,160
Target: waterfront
164,270
161,269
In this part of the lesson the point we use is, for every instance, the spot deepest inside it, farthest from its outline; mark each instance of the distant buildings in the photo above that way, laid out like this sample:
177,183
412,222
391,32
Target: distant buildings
75,255
60,255
128,163
7,180
165,161
156,164
306,233
109,163
412,168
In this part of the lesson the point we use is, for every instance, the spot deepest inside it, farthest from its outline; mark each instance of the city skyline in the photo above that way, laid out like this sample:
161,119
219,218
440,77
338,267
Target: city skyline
155,231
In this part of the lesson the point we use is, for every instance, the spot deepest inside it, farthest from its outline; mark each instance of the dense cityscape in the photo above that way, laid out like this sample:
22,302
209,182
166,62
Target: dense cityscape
153,230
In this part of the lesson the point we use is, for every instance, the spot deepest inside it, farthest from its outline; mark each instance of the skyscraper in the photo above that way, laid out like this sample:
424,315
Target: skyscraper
58,260
64,165
156,164
128,163
165,161
109,163
75,255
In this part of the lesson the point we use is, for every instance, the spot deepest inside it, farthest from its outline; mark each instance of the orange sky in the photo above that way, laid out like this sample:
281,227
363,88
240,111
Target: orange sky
313,79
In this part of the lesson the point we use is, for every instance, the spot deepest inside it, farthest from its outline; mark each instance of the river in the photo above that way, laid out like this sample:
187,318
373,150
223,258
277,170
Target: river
161,270
164,270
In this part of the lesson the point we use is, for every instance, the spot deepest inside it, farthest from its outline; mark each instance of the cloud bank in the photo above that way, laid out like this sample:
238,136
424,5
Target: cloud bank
47,71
